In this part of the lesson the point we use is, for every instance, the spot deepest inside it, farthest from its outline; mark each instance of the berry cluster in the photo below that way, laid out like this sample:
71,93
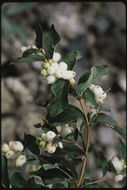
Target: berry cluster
11,148
53,69
119,165
45,140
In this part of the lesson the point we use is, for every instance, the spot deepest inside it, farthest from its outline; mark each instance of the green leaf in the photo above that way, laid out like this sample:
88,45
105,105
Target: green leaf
84,78
17,180
120,131
51,173
102,162
59,100
30,58
70,58
35,182
111,167
71,167
30,143
106,119
89,95
76,134
29,52
71,113
49,42
38,40
16,154
18,8
96,72
103,119
50,166
122,147
5,177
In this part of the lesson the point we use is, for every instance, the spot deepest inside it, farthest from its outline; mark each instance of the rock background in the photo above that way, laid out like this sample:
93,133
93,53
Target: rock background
98,31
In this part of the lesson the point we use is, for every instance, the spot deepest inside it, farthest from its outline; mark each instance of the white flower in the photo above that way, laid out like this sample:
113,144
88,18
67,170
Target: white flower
22,49
118,165
55,66
51,79
65,130
118,178
44,72
59,73
50,136
68,75
11,144
17,146
60,144
5,148
20,160
98,91
63,66
44,136
59,129
9,154
72,81
56,56
50,148
51,70
46,65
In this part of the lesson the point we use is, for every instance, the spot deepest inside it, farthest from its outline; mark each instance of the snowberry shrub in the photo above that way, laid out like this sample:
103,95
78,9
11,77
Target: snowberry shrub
55,153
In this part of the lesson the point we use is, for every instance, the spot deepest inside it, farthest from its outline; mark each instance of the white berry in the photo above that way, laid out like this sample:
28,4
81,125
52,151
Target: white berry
51,70
118,165
63,66
9,154
59,73
46,65
55,66
11,144
56,57
118,178
65,131
72,81
44,136
60,144
51,79
50,148
50,136
20,160
68,75
5,148
59,129
18,146
44,72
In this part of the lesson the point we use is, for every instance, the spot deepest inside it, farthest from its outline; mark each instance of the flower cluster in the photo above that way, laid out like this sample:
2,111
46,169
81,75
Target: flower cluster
64,130
11,148
100,95
119,165
45,140
53,69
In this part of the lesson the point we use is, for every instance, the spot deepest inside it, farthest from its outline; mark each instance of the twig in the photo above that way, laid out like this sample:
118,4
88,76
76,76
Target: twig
100,180
74,144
